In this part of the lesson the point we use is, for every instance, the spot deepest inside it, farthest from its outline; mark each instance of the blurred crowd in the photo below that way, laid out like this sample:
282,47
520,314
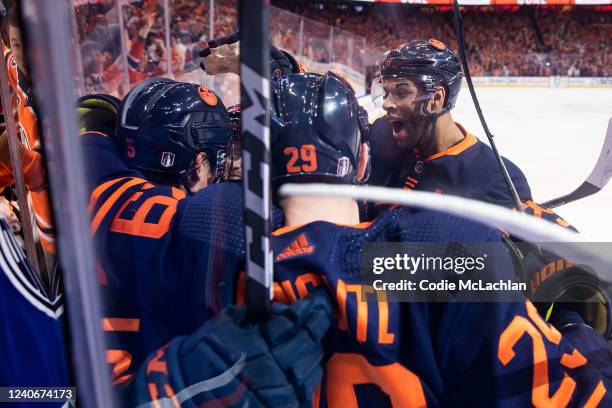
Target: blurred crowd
145,39
500,41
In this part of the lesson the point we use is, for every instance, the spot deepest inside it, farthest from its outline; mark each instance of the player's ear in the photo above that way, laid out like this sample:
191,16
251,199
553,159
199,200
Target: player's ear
364,158
200,175
437,100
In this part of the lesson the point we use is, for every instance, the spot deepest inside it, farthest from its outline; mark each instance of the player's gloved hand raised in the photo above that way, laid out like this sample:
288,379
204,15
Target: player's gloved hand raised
230,363
222,55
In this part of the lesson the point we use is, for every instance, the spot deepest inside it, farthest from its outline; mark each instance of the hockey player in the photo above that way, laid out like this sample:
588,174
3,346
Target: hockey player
147,158
163,271
418,145
408,354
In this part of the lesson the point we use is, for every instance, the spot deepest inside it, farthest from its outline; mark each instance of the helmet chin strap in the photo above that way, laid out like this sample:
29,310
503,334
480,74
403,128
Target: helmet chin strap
433,118
426,142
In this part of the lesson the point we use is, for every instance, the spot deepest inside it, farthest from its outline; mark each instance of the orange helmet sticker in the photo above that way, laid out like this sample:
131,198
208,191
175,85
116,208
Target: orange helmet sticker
437,44
208,96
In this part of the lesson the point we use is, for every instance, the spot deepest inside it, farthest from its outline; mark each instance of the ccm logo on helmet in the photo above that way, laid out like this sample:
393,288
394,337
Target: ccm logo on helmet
207,96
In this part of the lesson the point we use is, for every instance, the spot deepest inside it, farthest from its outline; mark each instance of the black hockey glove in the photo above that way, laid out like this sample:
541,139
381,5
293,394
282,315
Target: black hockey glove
229,363
556,286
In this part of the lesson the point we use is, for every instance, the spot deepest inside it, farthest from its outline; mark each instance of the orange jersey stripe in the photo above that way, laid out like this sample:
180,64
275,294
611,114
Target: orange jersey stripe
116,324
109,203
468,141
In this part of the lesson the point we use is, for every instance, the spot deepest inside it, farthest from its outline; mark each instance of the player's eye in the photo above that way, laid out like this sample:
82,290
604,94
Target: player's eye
401,93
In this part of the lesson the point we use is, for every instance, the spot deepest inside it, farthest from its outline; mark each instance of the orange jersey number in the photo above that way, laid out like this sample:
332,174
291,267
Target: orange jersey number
138,225
345,370
536,330
307,155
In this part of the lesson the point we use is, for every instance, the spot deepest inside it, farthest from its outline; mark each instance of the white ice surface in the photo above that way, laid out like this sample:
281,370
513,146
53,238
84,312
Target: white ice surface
554,135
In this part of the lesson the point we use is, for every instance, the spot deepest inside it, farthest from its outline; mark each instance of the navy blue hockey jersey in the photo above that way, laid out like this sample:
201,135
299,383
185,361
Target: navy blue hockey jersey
162,260
31,325
468,169
418,354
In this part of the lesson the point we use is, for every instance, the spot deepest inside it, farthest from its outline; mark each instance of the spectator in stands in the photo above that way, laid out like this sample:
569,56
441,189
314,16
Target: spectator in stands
500,40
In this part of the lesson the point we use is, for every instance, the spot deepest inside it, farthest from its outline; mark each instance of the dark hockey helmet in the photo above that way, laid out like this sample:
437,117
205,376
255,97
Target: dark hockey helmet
317,130
163,124
282,63
429,64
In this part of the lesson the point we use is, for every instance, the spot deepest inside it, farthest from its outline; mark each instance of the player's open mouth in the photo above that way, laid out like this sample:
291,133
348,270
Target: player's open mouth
397,126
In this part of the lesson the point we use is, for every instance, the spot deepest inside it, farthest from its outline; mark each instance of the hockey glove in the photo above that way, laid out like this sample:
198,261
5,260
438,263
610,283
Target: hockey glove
223,55
229,363
98,112
556,286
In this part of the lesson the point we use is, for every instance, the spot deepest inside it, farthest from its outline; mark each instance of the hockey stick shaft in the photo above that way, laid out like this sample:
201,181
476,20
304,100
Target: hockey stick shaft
468,78
255,120
599,177
518,225
527,228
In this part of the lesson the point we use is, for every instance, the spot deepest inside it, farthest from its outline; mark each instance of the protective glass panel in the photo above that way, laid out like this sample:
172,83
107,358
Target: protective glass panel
316,48
193,25
286,30
190,27
358,53
145,148
148,49
226,17
161,262
227,86
342,52
166,140
104,66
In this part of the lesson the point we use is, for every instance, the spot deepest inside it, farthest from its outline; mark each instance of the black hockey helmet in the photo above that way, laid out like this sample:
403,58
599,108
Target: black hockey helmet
429,64
317,129
282,63
163,124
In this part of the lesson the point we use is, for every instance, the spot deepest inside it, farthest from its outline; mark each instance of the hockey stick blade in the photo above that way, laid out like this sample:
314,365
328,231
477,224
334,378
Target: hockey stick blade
599,177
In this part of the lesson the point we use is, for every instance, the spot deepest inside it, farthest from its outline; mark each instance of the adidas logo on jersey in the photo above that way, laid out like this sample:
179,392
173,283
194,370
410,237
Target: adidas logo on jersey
300,246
